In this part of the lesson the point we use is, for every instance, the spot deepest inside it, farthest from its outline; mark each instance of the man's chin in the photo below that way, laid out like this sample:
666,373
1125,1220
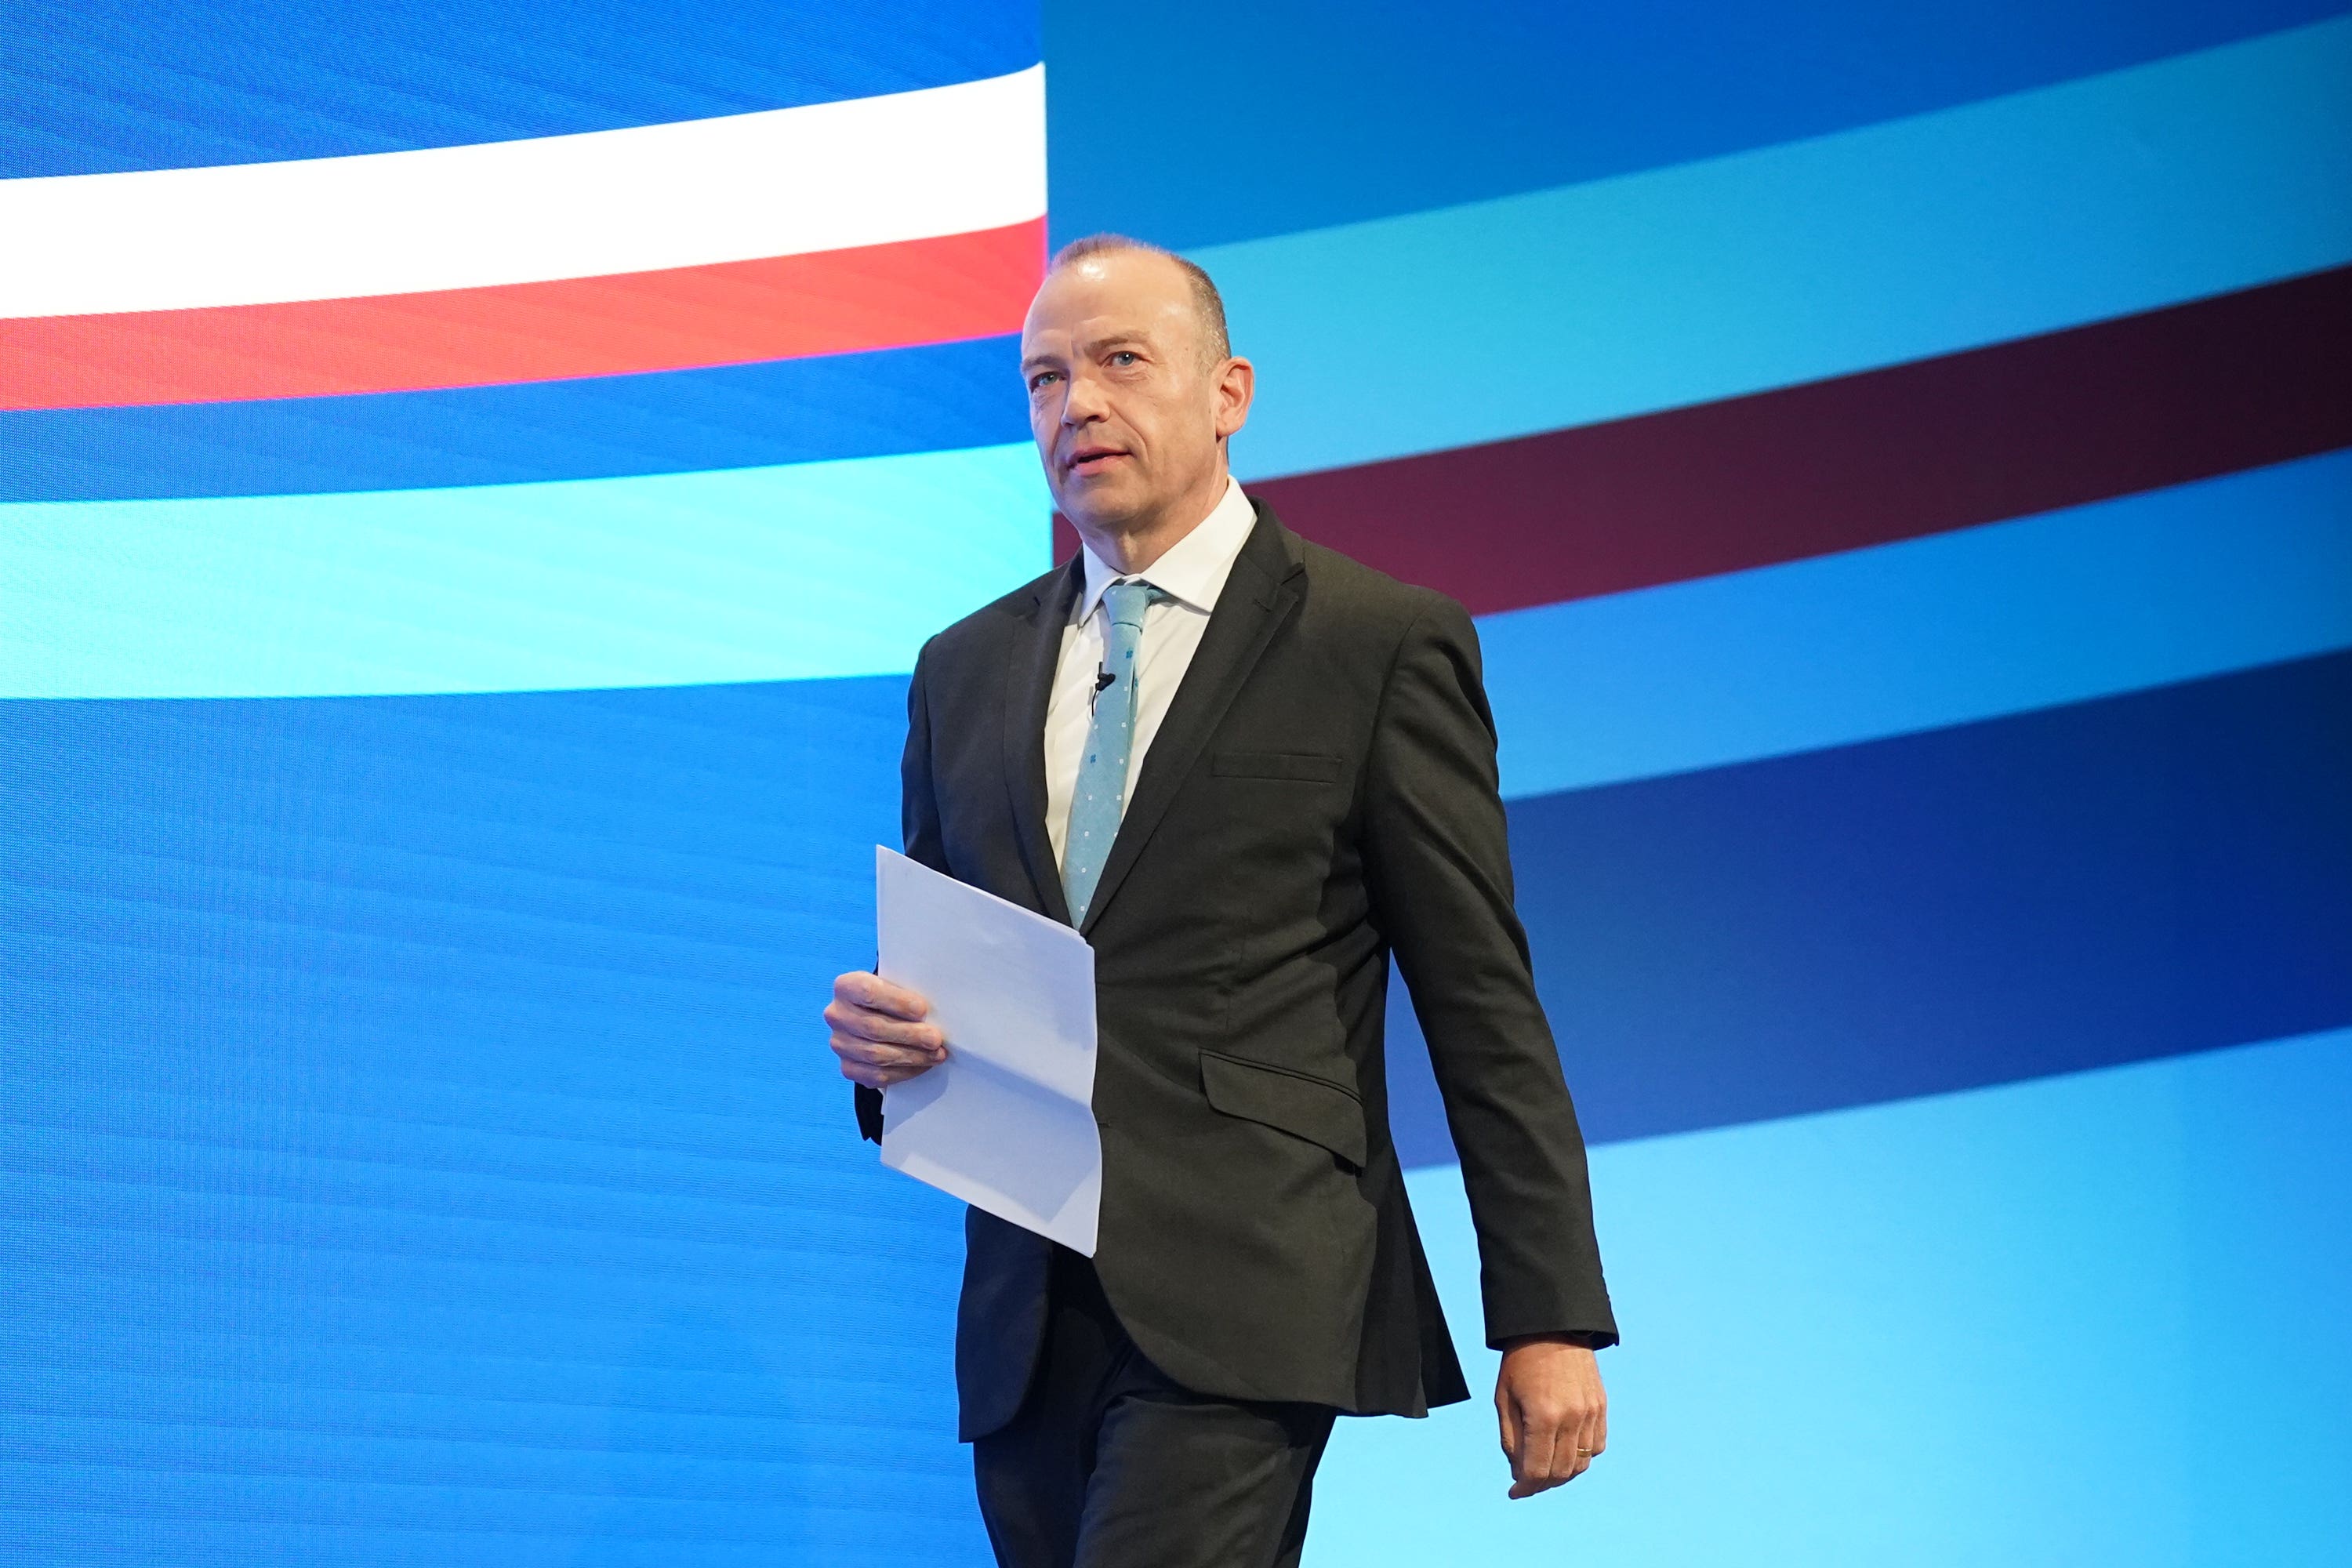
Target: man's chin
1101,508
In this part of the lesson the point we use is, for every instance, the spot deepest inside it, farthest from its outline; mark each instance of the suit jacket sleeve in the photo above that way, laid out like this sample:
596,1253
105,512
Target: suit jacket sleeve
919,824
1441,879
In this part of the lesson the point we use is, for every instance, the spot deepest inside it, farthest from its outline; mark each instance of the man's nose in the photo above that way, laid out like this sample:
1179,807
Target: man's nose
1084,403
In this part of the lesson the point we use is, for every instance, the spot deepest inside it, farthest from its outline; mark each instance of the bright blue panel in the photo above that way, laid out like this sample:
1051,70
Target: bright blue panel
2175,584
1342,111
2093,1320
2084,886
419,1146
791,573
934,397
2147,187
101,86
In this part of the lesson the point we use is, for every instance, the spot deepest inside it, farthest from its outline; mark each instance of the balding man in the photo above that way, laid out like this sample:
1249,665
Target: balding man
1248,769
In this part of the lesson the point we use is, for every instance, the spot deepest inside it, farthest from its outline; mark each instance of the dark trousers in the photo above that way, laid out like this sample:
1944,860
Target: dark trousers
1110,1464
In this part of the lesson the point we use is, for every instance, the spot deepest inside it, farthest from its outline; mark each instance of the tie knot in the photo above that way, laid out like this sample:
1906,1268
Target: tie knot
1125,602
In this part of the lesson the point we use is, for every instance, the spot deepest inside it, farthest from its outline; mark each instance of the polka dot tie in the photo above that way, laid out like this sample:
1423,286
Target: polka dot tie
1100,797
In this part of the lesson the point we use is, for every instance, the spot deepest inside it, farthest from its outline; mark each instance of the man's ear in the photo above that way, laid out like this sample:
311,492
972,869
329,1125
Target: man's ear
1237,384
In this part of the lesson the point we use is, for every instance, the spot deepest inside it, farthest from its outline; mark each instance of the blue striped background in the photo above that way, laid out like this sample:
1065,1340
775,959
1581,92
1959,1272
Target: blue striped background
107,86
417,1147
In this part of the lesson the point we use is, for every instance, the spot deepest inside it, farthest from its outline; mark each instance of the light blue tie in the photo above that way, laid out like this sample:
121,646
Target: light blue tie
1101,796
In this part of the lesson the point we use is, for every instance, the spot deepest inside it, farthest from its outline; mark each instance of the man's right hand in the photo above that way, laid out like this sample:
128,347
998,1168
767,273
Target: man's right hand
878,1031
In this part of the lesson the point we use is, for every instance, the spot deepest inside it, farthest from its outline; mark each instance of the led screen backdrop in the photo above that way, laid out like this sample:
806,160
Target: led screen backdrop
1898,457
476,475
471,484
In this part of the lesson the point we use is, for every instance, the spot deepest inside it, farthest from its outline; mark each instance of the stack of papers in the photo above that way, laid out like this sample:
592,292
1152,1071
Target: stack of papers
1007,1121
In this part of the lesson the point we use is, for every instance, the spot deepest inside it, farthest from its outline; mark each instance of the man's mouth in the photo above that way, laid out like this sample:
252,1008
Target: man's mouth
1093,460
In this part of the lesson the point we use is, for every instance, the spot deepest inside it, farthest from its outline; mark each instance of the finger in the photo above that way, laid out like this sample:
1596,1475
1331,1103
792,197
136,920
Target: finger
1507,1418
1591,1435
875,1077
1539,1441
849,1019
869,1053
1570,1458
878,1053
869,990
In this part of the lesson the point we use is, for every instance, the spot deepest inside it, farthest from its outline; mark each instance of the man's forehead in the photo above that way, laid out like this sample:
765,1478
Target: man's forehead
1088,303
1093,331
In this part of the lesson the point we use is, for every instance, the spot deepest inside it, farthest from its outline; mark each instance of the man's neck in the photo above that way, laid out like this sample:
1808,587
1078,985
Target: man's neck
1138,543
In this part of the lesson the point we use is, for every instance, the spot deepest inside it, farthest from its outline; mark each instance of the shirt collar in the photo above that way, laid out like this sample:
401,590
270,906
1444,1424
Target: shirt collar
1194,569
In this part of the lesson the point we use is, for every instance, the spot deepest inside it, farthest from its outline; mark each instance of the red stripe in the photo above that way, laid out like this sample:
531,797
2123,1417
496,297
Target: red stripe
2120,407
785,307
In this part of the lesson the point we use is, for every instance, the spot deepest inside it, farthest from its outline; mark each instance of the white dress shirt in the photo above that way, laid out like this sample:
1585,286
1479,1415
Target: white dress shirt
1193,574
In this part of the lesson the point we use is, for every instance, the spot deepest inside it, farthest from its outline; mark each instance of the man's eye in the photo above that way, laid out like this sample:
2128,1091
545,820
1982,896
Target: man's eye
1040,379
1123,358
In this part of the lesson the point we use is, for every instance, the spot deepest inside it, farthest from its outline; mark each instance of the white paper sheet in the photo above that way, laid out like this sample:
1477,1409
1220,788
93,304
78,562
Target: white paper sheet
1007,1121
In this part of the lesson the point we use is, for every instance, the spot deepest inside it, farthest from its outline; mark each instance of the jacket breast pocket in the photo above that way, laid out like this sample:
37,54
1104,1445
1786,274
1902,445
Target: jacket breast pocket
1302,767
1314,1109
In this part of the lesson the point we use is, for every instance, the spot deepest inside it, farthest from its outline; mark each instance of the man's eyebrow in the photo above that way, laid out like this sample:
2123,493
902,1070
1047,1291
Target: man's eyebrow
1091,346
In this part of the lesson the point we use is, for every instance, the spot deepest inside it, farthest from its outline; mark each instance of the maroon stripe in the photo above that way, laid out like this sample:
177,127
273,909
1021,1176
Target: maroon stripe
2128,405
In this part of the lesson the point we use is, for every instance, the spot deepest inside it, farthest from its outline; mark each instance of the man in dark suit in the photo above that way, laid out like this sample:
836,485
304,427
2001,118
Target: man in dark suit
1249,770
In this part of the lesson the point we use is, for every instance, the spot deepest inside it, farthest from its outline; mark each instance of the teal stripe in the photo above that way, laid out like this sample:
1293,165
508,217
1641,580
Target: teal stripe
767,573
2211,172
2091,602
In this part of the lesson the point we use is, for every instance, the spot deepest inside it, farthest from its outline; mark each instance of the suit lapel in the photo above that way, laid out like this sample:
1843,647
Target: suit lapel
1029,685
1256,600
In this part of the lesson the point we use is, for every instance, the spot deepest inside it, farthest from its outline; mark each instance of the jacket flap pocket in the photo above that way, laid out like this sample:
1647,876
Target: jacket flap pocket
1306,766
1314,1109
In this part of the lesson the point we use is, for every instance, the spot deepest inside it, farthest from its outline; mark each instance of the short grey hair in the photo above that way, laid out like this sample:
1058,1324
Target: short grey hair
1207,302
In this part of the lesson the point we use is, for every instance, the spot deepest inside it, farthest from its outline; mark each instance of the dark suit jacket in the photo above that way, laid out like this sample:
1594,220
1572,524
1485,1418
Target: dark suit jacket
1322,793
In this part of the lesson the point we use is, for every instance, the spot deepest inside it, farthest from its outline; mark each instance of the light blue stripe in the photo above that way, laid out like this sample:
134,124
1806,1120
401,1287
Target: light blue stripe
2175,584
767,574
2208,172
2090,1319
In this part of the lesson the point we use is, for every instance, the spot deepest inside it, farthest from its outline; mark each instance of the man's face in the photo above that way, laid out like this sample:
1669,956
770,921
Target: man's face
1124,401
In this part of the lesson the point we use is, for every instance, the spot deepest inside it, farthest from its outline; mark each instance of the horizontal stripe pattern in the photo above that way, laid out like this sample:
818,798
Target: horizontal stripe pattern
2060,607
2151,400
2105,882
107,86
1507,99
944,160
735,575
430,1044
2117,596
932,397
836,301
2112,881
2201,176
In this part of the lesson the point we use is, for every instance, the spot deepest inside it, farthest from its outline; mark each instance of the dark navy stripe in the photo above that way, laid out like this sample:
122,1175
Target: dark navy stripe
103,86
1364,112
2137,877
935,398
496,875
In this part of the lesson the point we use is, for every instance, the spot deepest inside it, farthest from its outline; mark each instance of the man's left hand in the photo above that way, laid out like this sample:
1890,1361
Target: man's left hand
1553,1410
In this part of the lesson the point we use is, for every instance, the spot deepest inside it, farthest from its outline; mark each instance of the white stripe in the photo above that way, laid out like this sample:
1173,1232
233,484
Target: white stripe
867,171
